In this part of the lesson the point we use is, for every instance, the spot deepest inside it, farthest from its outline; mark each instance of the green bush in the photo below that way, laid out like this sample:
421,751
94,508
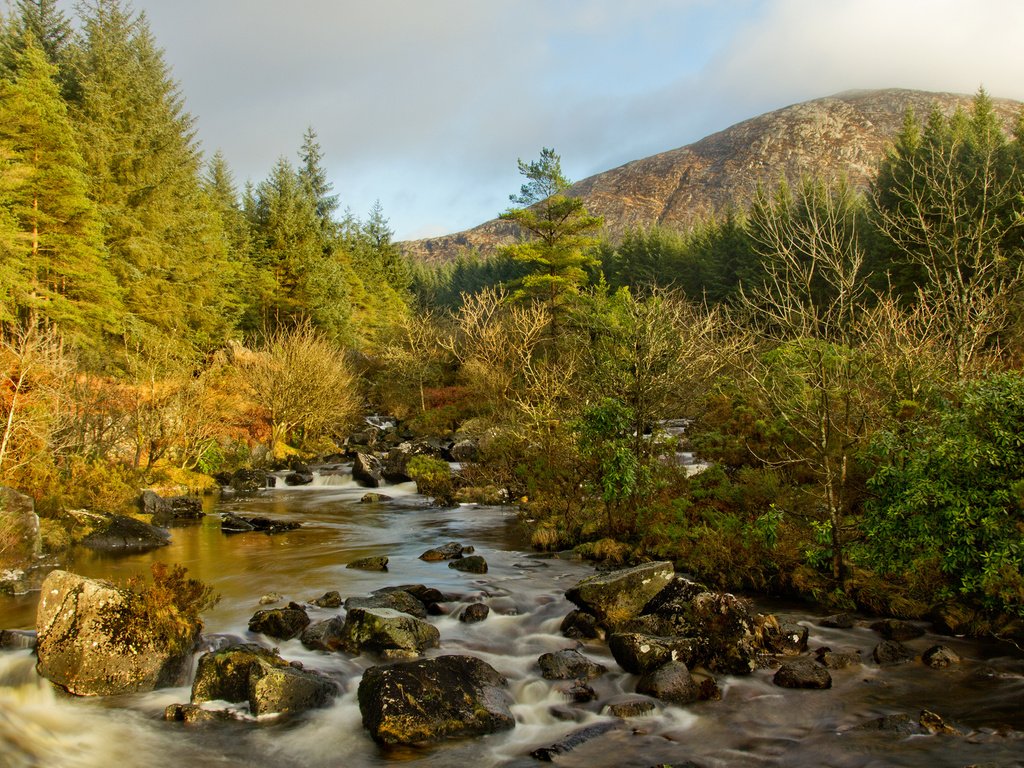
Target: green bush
433,477
170,606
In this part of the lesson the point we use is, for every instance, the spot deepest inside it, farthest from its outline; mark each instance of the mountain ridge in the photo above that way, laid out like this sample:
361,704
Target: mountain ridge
845,134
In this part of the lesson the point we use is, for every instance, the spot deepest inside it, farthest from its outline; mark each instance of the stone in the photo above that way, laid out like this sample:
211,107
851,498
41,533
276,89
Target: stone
270,598
833,660
330,599
397,601
471,564
900,723
617,596
288,690
387,633
379,563
580,692
637,653
434,699
248,480
223,674
232,523
280,623
324,635
396,464
298,477
839,621
449,551
670,682
569,664
629,705
465,450
802,673
787,639
126,535
936,724
573,740
580,625
889,652
366,470
374,498
898,630
93,640
193,714
724,627
474,613
940,657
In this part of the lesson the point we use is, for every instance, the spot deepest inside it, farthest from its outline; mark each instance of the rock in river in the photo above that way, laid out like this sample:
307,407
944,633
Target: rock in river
433,699
387,633
280,623
126,534
802,673
621,595
569,664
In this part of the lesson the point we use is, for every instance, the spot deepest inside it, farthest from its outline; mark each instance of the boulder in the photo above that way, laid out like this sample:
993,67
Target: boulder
802,673
580,692
330,599
374,498
260,677
379,563
126,535
397,601
450,551
580,625
298,477
670,682
367,470
787,639
152,503
940,657
172,510
429,596
465,450
618,596
324,635
573,740
248,480
474,613
638,654
832,660
387,633
471,564
898,630
396,464
839,621
569,664
94,640
193,714
280,623
232,523
630,705
889,652
434,699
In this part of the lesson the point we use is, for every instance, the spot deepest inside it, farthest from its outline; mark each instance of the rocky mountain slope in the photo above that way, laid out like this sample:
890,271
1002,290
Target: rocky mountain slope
846,134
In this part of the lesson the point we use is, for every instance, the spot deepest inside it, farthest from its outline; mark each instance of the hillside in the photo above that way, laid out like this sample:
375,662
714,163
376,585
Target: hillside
843,134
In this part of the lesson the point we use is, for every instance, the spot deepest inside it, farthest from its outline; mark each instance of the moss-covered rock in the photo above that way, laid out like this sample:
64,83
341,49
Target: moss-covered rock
621,595
387,633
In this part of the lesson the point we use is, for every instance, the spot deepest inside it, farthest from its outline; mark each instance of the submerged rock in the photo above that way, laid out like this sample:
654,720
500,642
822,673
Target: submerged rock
580,625
298,477
94,639
474,613
569,664
374,498
434,699
839,621
232,523
889,652
471,564
940,657
573,740
387,633
128,535
378,563
330,599
449,551
630,705
618,596
802,673
193,714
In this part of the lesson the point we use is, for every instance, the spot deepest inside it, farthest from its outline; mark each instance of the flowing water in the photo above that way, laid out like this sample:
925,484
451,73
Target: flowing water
754,724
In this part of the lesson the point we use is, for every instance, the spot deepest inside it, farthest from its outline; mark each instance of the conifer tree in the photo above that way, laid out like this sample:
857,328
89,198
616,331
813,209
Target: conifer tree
314,176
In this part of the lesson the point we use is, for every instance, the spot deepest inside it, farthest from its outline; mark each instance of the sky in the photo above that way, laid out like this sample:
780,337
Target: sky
426,105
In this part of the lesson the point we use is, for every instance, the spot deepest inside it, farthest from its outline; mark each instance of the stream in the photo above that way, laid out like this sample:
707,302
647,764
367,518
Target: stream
754,724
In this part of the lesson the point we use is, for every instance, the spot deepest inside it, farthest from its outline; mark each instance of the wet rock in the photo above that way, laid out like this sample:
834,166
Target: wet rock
900,724
833,660
232,523
786,639
126,535
569,664
580,692
707,688
471,564
330,599
449,551
895,629
324,635
387,633
936,724
433,699
172,510
618,596
280,623
430,598
580,625
573,740
367,470
262,678
637,653
94,640
378,563
674,598
474,613
395,467
17,639
248,480
400,601
802,673
724,626
670,682
629,705
298,477
374,498
940,657
889,652
271,597
839,621
193,714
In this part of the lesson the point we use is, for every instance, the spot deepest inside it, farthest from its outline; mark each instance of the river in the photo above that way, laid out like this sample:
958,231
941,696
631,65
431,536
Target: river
754,724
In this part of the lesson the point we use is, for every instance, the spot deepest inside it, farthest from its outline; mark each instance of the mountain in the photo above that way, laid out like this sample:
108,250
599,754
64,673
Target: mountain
846,134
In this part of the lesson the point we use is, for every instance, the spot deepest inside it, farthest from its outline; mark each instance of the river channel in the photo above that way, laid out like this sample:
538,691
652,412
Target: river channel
754,724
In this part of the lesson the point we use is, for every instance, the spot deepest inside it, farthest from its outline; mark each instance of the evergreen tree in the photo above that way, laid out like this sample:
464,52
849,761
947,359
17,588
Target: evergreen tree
43,22
314,176
56,263
394,267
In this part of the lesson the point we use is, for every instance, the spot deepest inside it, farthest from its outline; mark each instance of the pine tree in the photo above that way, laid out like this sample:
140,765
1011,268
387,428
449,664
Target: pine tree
314,176
57,264
43,22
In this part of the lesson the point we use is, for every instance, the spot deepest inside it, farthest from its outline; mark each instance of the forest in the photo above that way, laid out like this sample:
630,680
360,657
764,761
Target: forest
846,361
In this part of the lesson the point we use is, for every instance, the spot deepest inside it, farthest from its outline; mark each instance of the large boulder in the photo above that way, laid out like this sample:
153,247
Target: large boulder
450,551
618,596
280,623
171,510
126,535
260,677
395,468
802,673
670,682
367,470
95,640
569,664
397,601
248,480
19,528
387,633
324,635
434,699
639,653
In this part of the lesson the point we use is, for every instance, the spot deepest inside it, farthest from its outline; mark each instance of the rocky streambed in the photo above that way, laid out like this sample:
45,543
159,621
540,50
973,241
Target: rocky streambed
517,659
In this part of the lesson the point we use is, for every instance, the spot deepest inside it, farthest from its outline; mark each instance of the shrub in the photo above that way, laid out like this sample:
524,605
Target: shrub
171,605
433,477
